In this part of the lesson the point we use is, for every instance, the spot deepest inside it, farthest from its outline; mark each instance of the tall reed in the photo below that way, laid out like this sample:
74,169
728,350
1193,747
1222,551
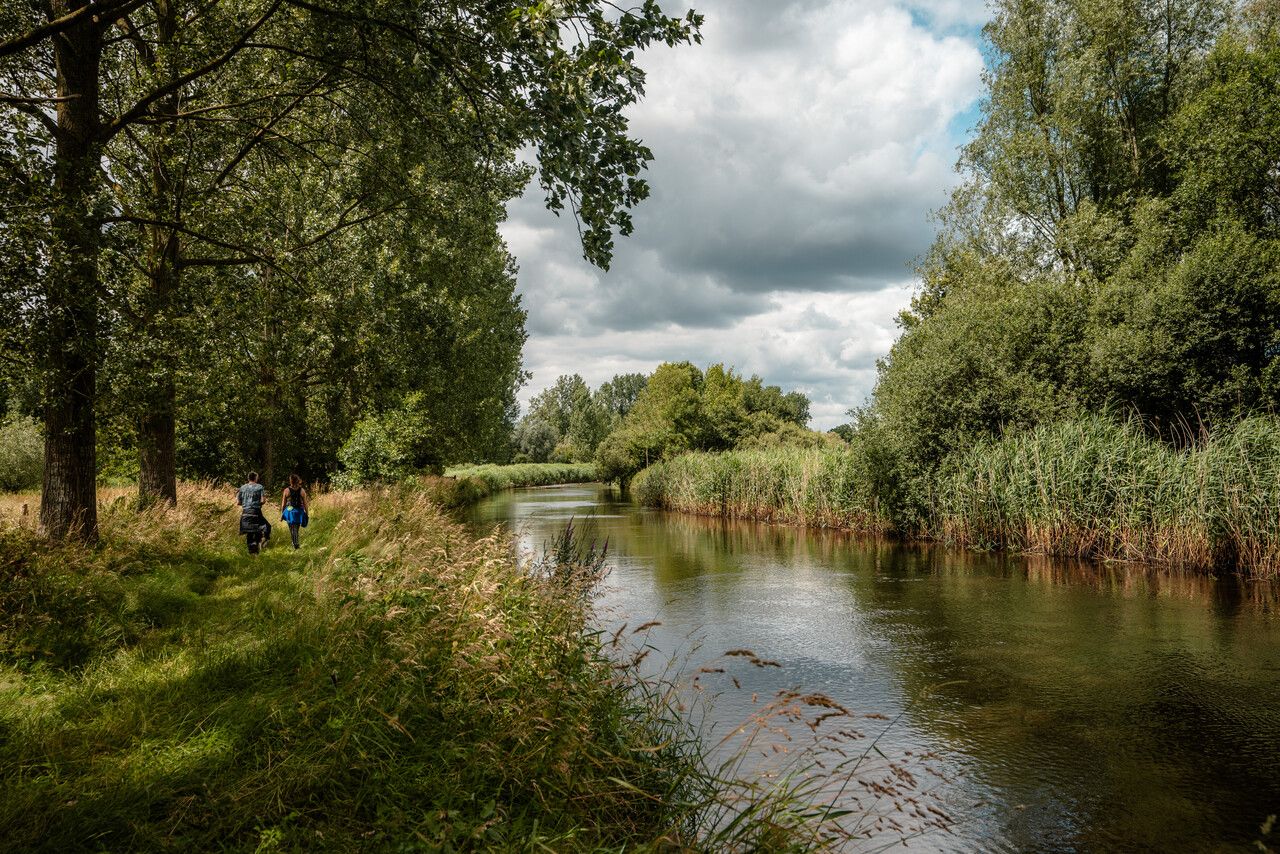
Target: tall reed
819,487
1091,487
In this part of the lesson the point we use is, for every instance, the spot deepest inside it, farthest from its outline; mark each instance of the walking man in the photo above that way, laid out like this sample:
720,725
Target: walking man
254,526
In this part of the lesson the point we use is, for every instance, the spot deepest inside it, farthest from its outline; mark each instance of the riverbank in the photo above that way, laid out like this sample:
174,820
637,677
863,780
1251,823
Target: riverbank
1087,488
396,682
464,485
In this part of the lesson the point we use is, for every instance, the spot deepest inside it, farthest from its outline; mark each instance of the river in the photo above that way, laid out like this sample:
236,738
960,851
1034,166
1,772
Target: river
1070,706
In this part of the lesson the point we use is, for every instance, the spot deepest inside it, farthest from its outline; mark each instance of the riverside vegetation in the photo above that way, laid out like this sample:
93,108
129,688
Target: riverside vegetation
475,482
1091,365
1089,487
399,684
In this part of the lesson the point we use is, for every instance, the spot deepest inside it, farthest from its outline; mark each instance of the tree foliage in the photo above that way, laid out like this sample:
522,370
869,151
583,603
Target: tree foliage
1114,244
232,231
683,408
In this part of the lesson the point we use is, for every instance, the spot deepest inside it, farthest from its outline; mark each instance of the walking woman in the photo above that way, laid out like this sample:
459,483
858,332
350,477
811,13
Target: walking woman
294,505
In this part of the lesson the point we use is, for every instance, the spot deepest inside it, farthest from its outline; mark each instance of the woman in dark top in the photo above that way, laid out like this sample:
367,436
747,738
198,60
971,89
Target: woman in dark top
294,505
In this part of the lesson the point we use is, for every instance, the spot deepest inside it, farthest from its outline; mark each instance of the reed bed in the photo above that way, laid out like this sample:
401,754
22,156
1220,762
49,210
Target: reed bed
1095,488
1091,488
817,487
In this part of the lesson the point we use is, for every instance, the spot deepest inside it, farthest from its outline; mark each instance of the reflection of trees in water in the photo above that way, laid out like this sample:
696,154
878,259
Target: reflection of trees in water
1107,694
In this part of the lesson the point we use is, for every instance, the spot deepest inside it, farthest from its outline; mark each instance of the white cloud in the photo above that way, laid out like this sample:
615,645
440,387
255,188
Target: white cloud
798,153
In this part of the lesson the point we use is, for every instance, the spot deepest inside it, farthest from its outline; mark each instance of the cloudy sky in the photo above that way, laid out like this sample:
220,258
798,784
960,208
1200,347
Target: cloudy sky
798,153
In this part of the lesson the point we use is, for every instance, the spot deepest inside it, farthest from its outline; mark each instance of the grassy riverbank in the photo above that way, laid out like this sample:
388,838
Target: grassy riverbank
473,483
396,683
819,487
1088,488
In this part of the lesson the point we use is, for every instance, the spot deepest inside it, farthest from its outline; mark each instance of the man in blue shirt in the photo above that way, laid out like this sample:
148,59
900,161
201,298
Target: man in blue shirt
253,524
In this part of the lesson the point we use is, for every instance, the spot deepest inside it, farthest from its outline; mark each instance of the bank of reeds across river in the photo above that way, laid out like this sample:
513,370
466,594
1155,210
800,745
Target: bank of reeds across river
397,684
1089,488
467,484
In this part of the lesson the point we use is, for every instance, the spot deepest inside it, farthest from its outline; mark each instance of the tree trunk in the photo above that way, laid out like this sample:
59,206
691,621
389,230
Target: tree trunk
69,496
157,480
157,439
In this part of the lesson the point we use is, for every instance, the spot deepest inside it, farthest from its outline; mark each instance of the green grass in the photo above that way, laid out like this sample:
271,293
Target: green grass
396,683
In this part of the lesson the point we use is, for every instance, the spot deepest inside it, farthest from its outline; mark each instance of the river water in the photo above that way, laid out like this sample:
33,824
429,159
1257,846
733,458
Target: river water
1071,706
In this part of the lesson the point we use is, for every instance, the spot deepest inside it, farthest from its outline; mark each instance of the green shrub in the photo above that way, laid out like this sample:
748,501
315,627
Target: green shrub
21,454
388,447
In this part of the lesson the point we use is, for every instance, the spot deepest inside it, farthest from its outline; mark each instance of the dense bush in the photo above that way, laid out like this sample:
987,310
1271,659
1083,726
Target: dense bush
21,454
388,447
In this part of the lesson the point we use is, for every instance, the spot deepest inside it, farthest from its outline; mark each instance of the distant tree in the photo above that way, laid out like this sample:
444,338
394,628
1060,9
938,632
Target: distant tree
724,407
845,431
618,395
681,408
535,439
557,403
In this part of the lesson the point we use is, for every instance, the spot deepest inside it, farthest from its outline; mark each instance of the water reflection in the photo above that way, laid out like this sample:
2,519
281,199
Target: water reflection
1090,707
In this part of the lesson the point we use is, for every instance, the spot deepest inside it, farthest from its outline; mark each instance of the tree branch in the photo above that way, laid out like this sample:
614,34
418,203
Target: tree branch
35,112
139,109
261,133
52,28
